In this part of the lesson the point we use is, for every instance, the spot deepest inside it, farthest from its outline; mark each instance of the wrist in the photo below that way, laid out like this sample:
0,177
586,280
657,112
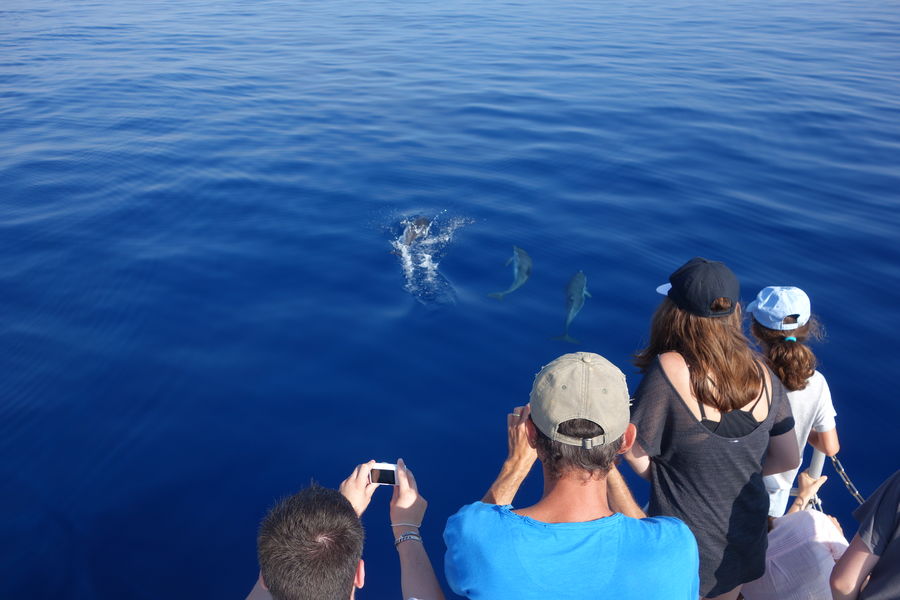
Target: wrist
406,524
517,466
412,536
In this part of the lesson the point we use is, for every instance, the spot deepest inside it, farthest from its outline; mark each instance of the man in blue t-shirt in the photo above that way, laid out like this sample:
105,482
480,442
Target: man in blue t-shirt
572,544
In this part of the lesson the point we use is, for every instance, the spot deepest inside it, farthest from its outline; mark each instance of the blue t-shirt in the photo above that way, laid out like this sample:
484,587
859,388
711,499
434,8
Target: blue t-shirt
494,553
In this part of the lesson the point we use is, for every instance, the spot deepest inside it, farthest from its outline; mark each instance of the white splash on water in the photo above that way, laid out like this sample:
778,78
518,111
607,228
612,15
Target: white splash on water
420,245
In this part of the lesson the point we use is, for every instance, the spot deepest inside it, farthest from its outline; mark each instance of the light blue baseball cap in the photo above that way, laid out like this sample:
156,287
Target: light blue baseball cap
773,304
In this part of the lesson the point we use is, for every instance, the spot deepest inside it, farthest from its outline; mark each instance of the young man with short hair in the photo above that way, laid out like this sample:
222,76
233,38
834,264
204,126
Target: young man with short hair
310,544
571,544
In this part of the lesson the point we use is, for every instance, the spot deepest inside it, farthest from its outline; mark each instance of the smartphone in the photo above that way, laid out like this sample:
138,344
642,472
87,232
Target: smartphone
383,474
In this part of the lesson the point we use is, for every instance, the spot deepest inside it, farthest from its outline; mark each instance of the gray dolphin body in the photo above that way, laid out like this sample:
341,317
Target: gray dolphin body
576,292
521,272
416,229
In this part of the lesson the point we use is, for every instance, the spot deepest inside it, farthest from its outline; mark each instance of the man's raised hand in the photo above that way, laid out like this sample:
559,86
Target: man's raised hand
407,506
357,488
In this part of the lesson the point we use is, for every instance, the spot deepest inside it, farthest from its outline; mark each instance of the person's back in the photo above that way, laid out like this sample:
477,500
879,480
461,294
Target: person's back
571,544
709,414
496,553
782,323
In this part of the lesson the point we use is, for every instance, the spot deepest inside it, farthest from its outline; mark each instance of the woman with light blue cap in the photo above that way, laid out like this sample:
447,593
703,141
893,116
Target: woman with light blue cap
782,323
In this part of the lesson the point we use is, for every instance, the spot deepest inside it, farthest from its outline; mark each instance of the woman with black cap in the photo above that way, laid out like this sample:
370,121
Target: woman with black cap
711,421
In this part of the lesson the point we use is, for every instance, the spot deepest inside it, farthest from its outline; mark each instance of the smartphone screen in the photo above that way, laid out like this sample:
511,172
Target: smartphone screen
385,476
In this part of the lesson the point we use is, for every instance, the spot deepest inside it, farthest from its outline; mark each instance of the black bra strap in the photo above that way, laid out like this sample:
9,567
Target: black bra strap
765,390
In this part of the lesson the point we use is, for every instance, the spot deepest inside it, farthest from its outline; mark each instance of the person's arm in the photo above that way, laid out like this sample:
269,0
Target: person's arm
518,462
851,571
807,488
639,461
825,441
417,578
619,496
782,454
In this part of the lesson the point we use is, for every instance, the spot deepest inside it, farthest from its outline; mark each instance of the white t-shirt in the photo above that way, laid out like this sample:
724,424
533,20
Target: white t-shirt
803,547
812,409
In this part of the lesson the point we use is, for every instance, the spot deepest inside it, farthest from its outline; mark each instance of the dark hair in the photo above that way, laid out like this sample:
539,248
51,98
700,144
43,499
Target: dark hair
793,362
560,458
309,546
723,367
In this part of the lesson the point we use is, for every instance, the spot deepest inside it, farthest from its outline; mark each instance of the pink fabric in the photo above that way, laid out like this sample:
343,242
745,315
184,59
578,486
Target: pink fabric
803,547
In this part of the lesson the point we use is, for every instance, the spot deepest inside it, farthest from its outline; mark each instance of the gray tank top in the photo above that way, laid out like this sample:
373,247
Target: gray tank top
711,482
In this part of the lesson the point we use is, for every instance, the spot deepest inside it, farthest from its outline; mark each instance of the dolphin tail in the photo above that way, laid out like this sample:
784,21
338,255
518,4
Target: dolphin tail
497,295
566,338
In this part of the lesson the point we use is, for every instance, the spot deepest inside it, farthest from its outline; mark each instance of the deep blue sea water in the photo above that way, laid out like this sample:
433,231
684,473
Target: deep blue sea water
200,307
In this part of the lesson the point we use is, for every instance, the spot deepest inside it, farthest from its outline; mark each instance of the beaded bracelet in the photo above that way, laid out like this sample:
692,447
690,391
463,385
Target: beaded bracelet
408,536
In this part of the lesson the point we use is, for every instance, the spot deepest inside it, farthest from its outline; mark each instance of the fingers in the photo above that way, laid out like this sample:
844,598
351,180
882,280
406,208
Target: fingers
396,495
362,472
402,476
412,480
518,415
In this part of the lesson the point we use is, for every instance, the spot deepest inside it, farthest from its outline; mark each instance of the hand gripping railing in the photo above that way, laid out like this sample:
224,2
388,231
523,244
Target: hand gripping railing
816,463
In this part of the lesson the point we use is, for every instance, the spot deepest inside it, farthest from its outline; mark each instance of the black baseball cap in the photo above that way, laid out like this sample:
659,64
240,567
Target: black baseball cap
698,282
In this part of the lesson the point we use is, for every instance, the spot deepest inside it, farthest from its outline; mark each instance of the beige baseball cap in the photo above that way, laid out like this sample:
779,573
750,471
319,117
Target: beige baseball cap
581,385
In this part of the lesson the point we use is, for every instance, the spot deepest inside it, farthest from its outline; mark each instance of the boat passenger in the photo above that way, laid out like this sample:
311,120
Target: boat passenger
870,568
310,544
803,547
711,421
782,323
580,540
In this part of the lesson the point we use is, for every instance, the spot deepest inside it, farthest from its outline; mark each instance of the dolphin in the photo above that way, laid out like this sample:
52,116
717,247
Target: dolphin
415,229
521,271
575,294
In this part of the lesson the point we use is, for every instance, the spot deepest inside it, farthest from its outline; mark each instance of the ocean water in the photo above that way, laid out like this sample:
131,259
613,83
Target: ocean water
206,302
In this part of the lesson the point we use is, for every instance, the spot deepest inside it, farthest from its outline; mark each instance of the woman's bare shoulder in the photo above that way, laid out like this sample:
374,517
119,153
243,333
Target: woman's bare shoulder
677,370
672,363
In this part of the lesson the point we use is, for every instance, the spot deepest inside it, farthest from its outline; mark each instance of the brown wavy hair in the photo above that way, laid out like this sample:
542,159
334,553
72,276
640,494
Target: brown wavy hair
793,362
724,368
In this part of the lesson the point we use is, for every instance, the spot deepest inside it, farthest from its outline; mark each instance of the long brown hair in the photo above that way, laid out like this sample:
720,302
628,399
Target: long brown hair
723,367
793,361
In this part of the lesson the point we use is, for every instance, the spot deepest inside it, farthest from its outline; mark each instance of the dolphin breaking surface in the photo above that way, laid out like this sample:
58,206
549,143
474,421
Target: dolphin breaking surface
420,242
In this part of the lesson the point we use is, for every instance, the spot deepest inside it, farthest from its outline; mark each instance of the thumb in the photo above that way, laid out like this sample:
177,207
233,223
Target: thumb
396,495
370,489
